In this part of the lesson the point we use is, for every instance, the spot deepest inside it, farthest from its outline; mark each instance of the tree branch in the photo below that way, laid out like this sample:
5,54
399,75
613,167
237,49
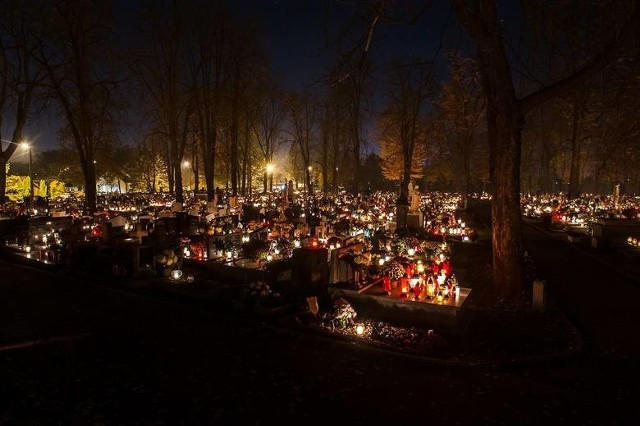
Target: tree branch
608,54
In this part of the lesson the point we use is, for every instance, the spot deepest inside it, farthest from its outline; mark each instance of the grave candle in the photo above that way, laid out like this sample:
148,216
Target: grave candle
404,285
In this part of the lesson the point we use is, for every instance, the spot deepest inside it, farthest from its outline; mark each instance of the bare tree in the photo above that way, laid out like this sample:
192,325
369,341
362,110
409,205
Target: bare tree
460,121
165,79
404,118
304,127
20,75
505,120
75,53
270,114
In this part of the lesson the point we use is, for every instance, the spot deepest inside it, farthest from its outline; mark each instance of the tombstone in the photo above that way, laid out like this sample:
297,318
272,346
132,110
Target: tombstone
415,220
212,206
182,223
176,207
140,232
107,232
233,201
310,272
118,222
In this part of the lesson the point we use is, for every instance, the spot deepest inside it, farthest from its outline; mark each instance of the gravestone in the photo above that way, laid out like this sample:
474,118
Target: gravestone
310,272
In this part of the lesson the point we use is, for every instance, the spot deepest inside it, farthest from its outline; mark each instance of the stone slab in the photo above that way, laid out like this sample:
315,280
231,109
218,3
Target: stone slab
372,303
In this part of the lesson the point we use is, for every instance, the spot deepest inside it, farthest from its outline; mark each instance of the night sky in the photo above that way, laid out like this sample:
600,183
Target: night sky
294,37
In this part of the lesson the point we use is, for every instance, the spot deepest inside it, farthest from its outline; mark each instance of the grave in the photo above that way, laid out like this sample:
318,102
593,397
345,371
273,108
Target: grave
610,232
372,303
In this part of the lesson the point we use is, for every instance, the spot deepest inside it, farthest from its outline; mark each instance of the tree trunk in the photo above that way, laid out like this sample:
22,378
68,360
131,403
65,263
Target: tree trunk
504,127
233,157
264,182
90,189
505,206
574,171
3,180
178,173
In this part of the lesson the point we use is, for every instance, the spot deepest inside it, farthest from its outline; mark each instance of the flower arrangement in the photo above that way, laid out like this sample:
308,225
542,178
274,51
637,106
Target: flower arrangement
260,293
255,249
168,259
411,242
198,250
399,246
394,270
343,312
260,289
360,262
284,246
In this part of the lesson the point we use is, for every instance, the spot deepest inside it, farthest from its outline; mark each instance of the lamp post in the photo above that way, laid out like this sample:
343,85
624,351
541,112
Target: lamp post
187,164
270,168
27,145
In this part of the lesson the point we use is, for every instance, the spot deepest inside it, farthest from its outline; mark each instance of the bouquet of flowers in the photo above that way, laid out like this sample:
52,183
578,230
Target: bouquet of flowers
168,259
395,270
343,312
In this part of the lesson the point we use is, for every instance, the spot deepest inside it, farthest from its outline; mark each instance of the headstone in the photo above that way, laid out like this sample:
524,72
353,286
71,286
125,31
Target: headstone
310,272
176,207
140,232
415,219
118,221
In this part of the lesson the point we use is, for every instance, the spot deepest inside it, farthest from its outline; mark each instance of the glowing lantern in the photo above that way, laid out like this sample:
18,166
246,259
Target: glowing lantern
404,285
386,284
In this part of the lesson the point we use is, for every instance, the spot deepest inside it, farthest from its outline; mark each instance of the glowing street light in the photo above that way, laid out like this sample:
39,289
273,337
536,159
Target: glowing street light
270,168
187,164
25,145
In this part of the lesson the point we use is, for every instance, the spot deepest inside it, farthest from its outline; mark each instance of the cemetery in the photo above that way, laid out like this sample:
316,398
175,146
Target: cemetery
345,264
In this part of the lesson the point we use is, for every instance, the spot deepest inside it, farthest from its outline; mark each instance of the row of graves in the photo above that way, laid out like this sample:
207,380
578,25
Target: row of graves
608,225
275,250
601,221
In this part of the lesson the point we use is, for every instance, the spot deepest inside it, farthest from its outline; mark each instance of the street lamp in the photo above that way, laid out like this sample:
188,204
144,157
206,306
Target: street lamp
270,169
187,164
26,145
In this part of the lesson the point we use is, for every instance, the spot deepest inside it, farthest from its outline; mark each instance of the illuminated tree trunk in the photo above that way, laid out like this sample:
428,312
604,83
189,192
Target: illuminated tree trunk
576,121
504,126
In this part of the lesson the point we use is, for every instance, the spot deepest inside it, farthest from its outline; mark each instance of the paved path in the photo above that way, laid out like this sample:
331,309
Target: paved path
152,362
